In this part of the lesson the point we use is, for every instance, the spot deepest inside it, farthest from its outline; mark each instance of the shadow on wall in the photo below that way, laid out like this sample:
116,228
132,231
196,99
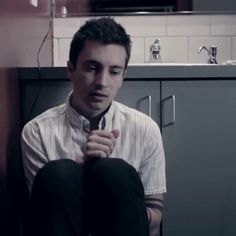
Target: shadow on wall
23,28
13,197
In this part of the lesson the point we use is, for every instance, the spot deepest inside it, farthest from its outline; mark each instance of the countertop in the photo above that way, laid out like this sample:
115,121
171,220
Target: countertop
143,71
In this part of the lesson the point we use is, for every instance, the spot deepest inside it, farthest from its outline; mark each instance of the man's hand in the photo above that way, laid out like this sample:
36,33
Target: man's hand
101,143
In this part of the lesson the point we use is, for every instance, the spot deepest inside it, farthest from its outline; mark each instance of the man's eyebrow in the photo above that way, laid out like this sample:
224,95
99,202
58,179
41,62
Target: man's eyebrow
91,61
117,67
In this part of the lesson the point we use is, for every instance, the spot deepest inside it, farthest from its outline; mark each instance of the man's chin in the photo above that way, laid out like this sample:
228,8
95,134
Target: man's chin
99,107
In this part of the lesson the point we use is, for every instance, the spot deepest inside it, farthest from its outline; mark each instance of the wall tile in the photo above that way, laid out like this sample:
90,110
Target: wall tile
82,20
234,48
181,36
188,25
223,25
137,51
145,25
120,20
46,49
55,52
65,27
63,55
223,48
173,49
137,54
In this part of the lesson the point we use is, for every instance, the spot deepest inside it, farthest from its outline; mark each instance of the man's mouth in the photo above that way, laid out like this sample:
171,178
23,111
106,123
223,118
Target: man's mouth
98,96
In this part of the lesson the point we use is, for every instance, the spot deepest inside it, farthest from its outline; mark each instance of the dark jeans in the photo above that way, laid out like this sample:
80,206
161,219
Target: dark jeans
103,197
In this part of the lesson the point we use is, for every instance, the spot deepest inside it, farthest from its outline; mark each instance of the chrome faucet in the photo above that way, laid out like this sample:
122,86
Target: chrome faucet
155,51
212,52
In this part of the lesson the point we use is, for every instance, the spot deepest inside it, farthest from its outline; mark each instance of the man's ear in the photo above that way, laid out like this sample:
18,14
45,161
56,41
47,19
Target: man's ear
70,66
70,69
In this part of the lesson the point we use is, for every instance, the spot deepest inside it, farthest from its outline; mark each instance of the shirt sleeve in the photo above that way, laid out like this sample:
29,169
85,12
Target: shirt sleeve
33,153
152,168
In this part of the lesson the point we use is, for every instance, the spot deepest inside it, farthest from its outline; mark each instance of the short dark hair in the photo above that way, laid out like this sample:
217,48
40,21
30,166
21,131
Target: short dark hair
105,30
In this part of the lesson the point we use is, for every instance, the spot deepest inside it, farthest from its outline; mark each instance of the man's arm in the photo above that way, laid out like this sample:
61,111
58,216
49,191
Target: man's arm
152,172
154,204
33,154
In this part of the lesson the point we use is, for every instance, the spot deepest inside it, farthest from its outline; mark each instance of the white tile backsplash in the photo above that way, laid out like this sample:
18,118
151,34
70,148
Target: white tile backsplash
173,49
234,48
145,26
137,55
223,48
55,52
223,25
181,36
120,19
63,52
65,27
188,25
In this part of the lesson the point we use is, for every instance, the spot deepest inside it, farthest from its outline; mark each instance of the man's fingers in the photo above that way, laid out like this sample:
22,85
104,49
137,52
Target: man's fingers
95,139
97,153
101,142
96,147
102,133
115,133
80,159
107,134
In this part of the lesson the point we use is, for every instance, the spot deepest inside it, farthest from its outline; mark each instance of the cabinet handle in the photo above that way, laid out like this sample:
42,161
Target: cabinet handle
172,98
150,105
149,97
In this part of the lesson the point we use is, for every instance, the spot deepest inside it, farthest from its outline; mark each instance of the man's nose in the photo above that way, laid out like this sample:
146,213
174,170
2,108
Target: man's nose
102,78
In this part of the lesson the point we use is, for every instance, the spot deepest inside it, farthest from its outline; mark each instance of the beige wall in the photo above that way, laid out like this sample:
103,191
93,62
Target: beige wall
22,29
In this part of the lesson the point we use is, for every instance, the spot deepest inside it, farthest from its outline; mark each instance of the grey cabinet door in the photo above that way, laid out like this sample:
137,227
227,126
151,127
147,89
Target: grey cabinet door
200,158
143,96
39,95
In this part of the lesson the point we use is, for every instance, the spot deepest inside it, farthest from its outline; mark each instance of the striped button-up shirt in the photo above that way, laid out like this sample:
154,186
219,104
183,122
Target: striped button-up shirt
61,132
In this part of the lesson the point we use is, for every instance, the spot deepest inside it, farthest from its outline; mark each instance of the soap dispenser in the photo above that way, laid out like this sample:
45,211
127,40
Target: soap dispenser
155,52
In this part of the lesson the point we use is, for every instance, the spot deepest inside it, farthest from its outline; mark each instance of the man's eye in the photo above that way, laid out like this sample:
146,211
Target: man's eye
92,67
115,72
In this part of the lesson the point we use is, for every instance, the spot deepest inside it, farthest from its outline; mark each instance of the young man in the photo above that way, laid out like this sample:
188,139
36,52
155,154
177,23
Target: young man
95,166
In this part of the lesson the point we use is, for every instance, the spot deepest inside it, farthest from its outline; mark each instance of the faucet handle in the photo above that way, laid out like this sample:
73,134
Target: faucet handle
155,46
213,51
157,40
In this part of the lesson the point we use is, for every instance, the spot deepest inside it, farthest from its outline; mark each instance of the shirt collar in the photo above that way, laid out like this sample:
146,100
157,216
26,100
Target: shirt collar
78,121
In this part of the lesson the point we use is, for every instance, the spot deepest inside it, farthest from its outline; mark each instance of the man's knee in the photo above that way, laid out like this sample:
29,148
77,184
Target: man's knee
58,176
116,174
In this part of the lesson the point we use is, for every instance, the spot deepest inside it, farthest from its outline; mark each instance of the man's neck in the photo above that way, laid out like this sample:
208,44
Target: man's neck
94,120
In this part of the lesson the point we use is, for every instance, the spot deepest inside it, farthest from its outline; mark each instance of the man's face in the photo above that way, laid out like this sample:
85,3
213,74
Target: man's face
97,77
